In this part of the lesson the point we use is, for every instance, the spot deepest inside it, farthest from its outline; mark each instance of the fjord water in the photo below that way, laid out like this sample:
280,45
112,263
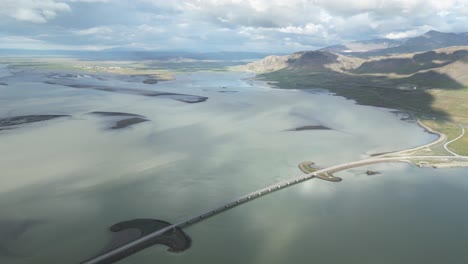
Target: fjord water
65,181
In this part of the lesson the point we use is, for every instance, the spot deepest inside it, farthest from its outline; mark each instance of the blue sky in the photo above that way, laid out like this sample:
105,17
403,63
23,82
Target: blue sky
220,25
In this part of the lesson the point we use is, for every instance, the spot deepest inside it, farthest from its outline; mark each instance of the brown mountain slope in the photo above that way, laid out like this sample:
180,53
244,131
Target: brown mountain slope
405,64
316,61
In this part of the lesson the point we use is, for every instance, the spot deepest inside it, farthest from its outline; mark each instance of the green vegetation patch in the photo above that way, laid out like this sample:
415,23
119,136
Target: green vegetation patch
460,146
366,90
450,129
409,65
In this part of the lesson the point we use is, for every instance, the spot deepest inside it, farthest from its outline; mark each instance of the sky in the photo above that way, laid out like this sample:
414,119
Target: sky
220,25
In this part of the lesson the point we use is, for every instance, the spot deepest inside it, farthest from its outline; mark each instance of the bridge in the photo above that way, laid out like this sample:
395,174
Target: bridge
324,174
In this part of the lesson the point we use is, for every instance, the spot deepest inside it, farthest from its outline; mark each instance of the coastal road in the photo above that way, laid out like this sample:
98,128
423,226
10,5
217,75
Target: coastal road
407,152
455,139
132,246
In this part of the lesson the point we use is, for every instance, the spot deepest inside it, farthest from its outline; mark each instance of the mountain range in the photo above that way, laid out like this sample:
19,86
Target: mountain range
429,41
425,75
425,61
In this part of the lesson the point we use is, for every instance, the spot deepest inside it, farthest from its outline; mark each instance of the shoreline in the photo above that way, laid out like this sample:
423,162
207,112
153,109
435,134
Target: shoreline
419,115
433,105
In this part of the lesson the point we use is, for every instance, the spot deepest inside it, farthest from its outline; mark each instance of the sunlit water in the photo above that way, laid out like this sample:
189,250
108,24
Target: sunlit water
64,182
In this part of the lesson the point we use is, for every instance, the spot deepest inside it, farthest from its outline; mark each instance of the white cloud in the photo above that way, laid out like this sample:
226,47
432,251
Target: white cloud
307,29
28,15
31,10
408,33
94,31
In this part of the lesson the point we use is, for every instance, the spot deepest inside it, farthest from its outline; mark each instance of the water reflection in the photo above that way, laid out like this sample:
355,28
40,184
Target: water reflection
79,179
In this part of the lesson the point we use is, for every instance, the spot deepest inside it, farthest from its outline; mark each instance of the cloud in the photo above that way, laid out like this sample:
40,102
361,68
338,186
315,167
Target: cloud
94,30
32,11
209,25
20,42
90,1
333,21
307,29
408,33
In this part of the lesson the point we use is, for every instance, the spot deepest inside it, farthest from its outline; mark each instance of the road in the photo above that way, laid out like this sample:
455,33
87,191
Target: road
440,139
455,139
130,248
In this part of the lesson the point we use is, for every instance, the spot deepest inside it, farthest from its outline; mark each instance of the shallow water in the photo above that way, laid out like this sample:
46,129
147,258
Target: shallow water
4,72
75,178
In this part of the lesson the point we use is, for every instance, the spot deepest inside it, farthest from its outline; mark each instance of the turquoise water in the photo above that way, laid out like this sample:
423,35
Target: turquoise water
65,181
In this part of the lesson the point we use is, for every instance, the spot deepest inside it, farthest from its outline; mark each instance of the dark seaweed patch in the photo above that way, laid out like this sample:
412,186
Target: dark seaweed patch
129,119
186,98
128,122
12,122
312,127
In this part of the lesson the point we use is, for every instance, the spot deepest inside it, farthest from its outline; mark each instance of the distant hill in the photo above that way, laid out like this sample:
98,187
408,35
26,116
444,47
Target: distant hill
317,61
134,54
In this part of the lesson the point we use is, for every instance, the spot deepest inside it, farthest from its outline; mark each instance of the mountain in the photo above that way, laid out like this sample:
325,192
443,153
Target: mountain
364,46
380,47
432,50
408,64
425,83
432,68
429,41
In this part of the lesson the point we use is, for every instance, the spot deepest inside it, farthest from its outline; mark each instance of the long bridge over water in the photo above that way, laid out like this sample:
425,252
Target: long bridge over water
324,174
